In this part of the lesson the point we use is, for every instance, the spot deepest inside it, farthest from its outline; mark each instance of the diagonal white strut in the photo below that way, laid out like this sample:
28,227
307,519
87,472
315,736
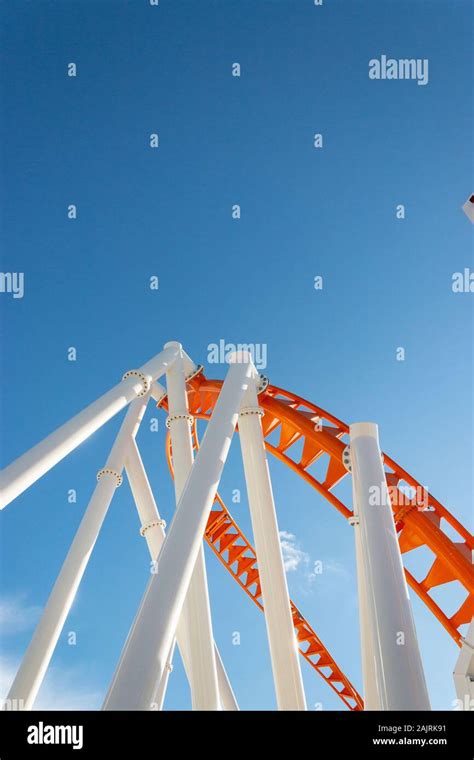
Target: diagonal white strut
38,655
276,604
153,530
147,648
26,470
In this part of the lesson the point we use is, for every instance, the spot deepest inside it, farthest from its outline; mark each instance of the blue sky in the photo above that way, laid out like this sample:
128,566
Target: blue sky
166,212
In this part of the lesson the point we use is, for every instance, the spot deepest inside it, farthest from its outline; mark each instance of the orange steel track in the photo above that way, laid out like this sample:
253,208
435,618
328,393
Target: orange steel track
420,521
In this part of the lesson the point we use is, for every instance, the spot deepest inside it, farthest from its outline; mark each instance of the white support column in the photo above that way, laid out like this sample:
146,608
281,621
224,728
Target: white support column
371,699
146,650
160,692
25,470
399,675
196,613
38,655
464,671
226,694
280,630
153,530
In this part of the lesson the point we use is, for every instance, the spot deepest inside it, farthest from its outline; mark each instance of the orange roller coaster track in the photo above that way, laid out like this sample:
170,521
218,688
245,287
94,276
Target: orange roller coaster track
420,521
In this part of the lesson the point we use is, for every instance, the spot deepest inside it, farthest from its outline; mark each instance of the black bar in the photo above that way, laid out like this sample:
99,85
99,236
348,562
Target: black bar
130,734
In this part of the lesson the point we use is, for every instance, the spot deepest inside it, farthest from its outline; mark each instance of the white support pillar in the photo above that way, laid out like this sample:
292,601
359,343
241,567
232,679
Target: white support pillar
160,692
25,470
464,671
371,699
146,650
196,613
153,530
38,655
399,675
280,630
227,697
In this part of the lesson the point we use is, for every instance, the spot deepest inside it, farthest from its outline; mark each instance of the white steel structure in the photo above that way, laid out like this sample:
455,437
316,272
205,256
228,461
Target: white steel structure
464,671
175,608
394,672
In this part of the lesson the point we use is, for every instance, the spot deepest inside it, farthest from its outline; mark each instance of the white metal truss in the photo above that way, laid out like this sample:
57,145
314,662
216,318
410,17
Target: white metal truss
175,608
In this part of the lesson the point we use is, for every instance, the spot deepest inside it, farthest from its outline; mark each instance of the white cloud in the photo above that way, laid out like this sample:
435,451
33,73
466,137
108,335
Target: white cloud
293,555
322,574
336,568
328,573
62,689
16,616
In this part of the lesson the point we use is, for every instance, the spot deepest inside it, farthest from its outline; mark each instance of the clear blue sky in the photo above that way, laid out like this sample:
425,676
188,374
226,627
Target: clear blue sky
167,212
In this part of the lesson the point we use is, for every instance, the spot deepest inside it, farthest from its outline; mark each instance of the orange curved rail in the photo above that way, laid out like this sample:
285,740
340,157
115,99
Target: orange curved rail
420,521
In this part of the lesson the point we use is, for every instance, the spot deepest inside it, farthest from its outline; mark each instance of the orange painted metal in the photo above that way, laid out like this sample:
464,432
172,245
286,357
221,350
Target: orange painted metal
420,520
238,556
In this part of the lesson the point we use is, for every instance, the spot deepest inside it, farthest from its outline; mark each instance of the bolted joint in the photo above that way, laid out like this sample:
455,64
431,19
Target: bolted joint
346,459
145,379
262,384
184,416
197,371
107,471
152,524
248,410
354,520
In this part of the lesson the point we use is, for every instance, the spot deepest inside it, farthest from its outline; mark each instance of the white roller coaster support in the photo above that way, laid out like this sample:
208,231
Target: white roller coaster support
160,692
464,671
227,697
371,699
280,630
38,655
153,530
399,675
25,470
196,612
146,650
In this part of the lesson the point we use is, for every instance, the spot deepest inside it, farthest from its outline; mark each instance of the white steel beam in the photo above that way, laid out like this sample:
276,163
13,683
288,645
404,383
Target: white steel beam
38,655
153,530
398,668
147,648
226,695
280,630
464,671
26,470
371,698
196,613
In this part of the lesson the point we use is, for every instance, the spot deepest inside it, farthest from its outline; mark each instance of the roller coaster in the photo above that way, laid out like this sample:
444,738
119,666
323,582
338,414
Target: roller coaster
316,446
